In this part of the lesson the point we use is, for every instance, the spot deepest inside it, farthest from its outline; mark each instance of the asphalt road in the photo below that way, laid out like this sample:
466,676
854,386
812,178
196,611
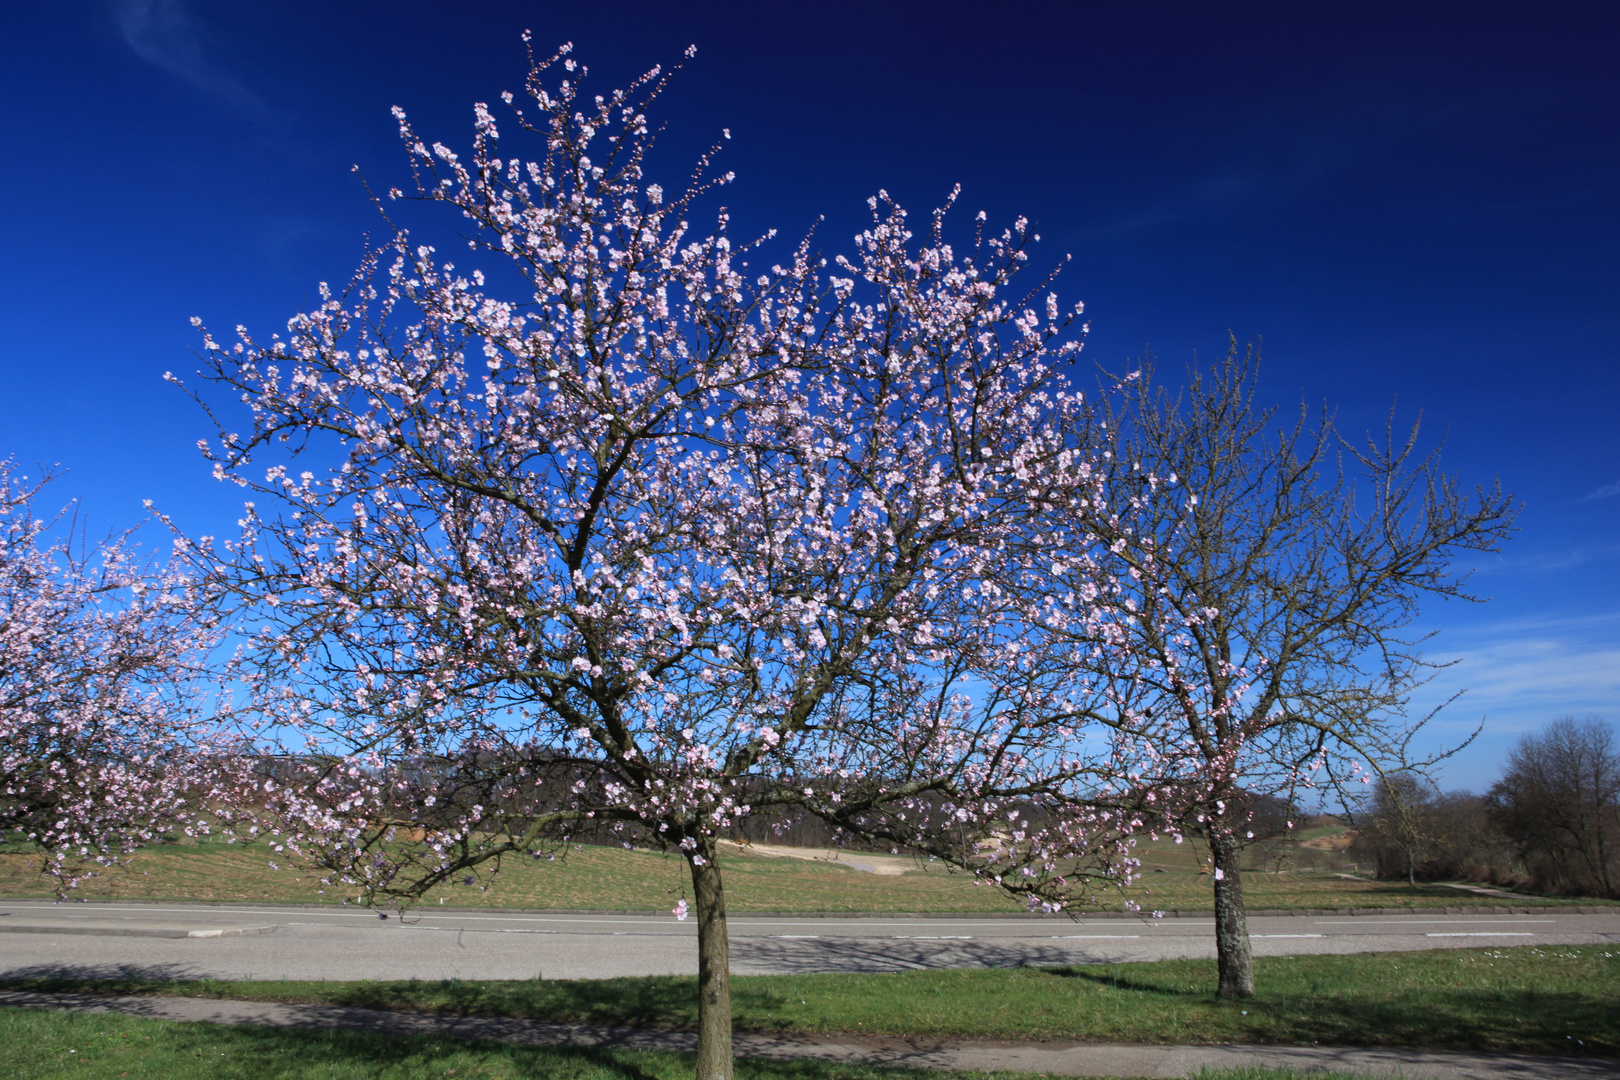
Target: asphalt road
268,942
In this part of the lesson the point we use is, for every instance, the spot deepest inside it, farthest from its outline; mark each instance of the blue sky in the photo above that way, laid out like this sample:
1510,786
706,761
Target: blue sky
1408,202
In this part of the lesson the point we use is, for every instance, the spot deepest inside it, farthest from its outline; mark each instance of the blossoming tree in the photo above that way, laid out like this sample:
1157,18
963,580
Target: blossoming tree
103,725
1279,576
633,531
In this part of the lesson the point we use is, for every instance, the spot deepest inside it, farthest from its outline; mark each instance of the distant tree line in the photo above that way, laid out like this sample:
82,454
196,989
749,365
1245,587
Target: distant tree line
1550,824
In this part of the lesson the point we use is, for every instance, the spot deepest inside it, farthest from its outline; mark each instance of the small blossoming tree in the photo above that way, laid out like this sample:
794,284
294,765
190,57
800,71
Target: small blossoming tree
103,722
678,534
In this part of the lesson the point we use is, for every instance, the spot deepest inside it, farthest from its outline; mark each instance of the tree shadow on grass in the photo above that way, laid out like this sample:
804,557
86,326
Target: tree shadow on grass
655,1002
1119,979
659,1002
190,1051
252,1052
1569,1023
1570,1019
360,1054
1441,1018
104,979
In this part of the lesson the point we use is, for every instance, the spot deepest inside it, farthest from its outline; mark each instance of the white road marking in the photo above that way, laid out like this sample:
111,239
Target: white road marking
933,937
1417,922
413,913
796,937
462,929
1287,935
1094,937
436,915
1482,933
858,921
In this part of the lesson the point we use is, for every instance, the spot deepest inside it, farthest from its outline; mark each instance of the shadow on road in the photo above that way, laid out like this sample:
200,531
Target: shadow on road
773,956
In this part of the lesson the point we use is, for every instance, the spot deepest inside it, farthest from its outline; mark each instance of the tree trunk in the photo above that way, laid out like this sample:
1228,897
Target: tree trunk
714,966
1232,951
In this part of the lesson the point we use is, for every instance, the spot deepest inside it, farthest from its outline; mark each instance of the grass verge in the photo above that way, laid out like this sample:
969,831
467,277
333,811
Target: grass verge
41,1045
597,878
1532,999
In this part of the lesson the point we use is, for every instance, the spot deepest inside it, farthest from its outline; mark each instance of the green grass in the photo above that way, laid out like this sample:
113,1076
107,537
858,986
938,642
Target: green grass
595,878
1559,1000
590,878
42,1045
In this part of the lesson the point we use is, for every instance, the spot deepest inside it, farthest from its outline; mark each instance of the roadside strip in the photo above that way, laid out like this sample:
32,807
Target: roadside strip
1075,1059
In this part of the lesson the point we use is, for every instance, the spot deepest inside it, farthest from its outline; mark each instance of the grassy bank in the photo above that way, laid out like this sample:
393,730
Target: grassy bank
594,878
39,1045
1558,1000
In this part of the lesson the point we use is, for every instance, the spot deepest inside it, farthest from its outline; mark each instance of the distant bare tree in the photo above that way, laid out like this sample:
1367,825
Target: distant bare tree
1559,803
1290,564
1409,830
1471,846
1400,822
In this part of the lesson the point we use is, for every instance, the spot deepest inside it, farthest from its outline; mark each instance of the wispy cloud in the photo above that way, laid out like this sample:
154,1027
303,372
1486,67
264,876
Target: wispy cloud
1542,675
1549,561
162,33
1524,673
1603,625
1607,491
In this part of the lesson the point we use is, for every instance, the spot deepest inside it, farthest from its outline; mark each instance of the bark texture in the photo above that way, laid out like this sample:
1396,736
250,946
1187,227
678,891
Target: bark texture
714,966
1233,954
